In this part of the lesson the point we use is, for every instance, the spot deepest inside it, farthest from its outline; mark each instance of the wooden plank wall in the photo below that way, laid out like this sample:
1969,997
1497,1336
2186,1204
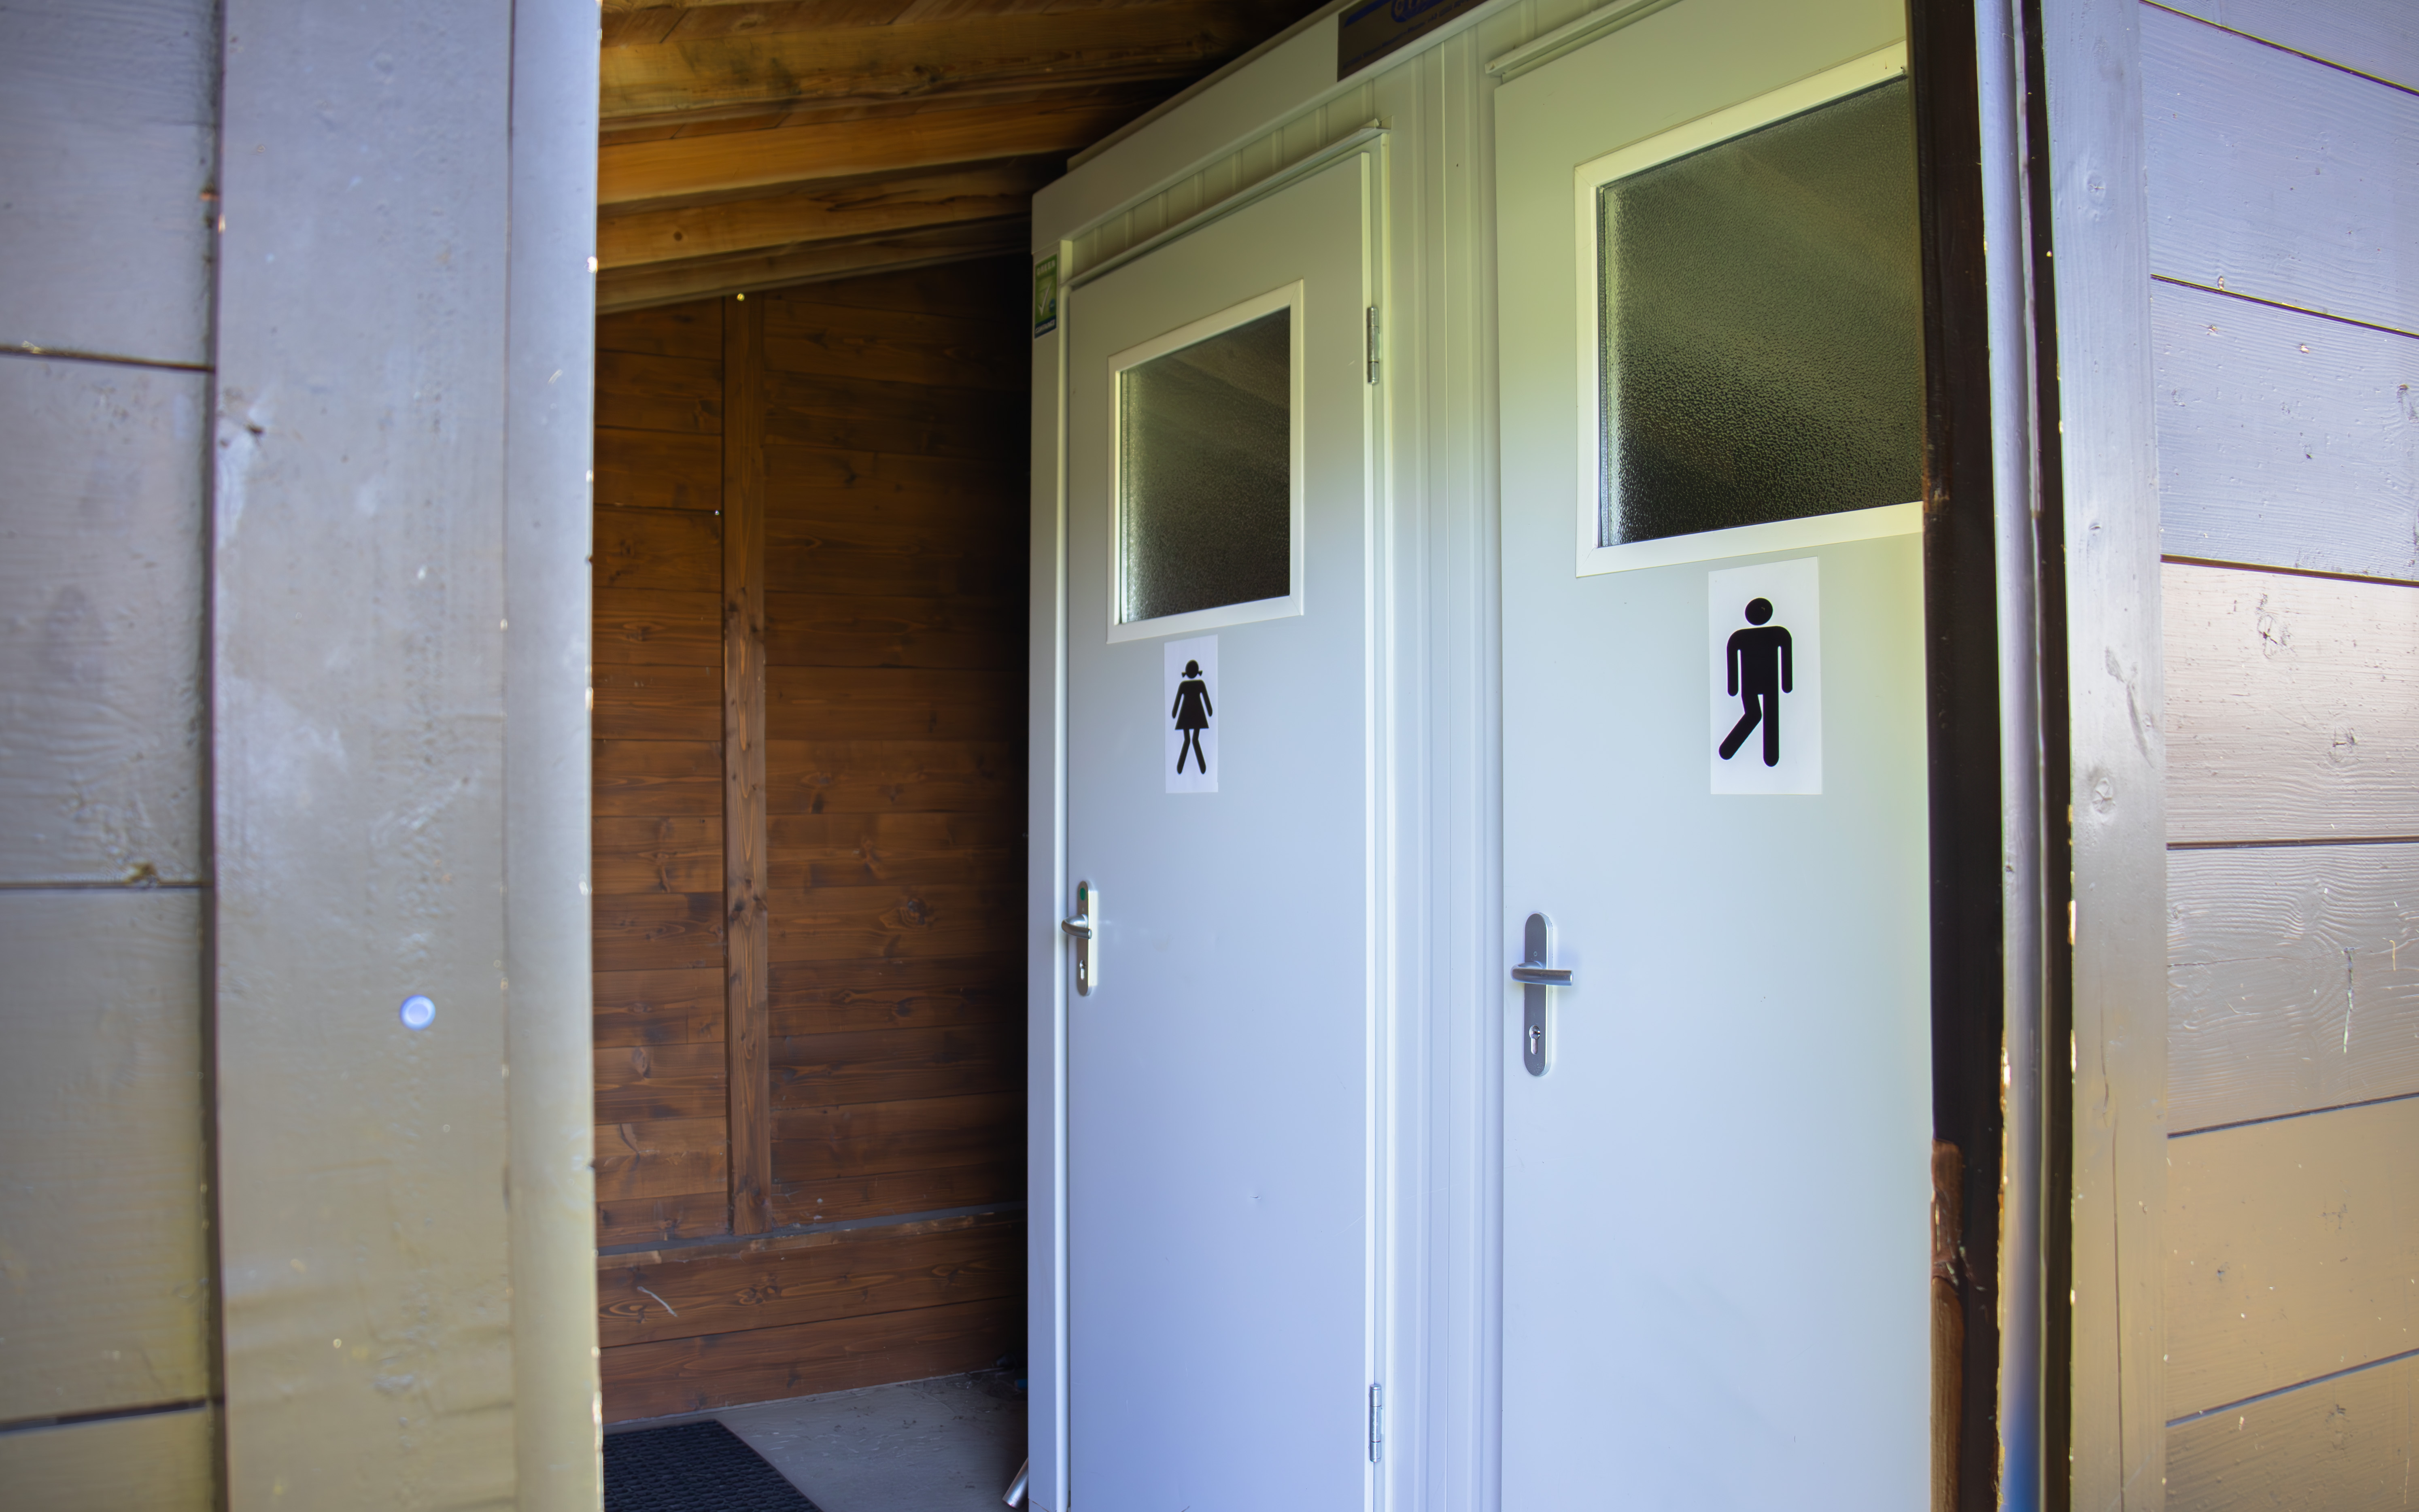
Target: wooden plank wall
108,1369
865,442
2287,313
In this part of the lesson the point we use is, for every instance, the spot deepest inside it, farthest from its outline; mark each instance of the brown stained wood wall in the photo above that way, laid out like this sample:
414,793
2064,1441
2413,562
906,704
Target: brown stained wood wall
879,426
2288,351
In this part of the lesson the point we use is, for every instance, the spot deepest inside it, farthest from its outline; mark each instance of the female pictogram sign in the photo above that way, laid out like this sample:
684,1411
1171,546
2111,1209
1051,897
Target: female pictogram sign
1190,698
1191,713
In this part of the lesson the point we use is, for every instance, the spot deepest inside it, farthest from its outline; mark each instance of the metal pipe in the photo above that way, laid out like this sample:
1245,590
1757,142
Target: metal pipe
2016,486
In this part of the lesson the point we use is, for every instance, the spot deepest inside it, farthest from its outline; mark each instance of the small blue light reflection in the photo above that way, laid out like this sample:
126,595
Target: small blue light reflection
417,1013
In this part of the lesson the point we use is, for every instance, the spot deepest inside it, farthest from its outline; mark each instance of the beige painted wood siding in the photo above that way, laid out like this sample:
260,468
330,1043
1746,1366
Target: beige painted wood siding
108,148
2287,313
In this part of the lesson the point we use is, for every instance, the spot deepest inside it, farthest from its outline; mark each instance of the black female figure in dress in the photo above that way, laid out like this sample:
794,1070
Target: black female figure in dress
1191,713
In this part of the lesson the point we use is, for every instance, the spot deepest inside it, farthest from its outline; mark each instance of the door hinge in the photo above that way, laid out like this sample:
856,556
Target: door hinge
1373,344
1377,1422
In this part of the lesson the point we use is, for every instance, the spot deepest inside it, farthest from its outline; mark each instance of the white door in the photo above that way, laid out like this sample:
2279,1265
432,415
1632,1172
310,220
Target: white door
1716,1138
1217,789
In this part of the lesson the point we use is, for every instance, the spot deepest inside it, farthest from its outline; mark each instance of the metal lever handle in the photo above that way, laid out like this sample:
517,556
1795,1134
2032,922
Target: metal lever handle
1081,930
1534,977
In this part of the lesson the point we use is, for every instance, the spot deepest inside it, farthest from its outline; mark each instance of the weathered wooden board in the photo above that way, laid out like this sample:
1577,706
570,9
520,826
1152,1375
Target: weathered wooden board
657,702
819,997
658,548
2276,176
878,1065
644,1008
638,391
108,147
800,479
2287,988
892,776
820,212
845,923
825,630
663,1157
899,849
2284,439
657,855
726,163
810,1278
896,419
891,704
107,1297
656,776
100,568
656,931
937,1189
651,627
985,289
2293,1252
741,712
812,262
960,53
765,1364
803,335
2342,1445
813,567
640,1084
651,1220
2378,38
692,330
881,1138
658,469
153,1462
2290,710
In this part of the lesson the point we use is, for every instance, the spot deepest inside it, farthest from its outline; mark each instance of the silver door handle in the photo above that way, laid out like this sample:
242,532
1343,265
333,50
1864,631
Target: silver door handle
1534,977
1081,930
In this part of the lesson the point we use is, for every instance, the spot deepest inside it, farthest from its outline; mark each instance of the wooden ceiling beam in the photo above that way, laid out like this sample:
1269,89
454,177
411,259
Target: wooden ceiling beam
823,212
729,162
638,288
1176,40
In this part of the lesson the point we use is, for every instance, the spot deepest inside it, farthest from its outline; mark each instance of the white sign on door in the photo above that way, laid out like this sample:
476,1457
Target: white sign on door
1191,714
1766,624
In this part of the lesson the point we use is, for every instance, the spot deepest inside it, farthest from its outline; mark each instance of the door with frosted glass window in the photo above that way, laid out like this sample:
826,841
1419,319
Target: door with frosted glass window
1219,747
1717,1101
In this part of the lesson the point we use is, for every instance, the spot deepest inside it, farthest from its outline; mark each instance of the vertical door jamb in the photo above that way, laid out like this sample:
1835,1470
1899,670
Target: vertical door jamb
2104,1379
746,1000
1047,888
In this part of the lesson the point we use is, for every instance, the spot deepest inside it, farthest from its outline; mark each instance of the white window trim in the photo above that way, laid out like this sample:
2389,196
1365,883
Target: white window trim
1587,179
1289,297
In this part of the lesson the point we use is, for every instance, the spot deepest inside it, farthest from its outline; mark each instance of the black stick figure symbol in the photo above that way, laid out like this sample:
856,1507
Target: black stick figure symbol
1191,713
1761,667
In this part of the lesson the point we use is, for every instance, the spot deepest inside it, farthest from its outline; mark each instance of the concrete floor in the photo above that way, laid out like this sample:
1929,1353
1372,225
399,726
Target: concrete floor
948,1444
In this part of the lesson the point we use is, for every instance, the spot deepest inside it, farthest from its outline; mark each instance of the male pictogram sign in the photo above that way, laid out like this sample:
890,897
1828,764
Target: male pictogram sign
1764,677
1760,663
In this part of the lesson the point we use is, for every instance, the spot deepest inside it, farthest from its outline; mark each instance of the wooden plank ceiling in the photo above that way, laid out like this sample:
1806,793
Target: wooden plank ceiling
750,145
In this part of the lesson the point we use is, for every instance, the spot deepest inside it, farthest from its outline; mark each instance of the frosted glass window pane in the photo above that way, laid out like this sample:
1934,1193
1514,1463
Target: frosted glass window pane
1763,326
1205,476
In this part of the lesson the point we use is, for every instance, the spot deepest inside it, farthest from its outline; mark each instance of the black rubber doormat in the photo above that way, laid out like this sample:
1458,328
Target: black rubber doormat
696,1467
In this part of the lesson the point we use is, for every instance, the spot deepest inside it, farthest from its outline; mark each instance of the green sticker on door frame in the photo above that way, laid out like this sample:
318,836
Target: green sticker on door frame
1045,294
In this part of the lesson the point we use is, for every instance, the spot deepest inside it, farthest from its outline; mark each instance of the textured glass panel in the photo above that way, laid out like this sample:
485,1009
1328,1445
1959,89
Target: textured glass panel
1205,476
1763,326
